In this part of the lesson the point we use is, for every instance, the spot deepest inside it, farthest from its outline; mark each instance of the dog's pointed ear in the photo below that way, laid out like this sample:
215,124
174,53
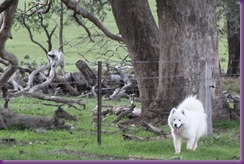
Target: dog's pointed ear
183,112
173,110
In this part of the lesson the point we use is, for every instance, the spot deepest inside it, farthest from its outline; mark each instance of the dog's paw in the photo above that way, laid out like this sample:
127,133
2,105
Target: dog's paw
177,151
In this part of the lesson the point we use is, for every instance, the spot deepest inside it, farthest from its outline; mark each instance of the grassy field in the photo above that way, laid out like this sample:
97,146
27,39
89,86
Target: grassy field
80,143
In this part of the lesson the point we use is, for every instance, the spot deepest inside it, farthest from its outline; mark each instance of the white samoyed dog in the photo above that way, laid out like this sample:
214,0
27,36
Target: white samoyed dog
188,121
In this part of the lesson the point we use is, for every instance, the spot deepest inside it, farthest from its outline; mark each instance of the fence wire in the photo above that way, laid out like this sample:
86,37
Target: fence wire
127,68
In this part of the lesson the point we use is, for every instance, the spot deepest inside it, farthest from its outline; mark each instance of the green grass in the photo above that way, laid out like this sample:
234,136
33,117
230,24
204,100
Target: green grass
80,143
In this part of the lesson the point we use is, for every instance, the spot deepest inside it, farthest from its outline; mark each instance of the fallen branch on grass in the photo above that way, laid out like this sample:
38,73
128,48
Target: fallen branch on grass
124,113
154,129
77,104
137,138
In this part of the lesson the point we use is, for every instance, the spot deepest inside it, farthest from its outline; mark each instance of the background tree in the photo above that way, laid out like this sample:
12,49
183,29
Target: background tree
233,36
229,10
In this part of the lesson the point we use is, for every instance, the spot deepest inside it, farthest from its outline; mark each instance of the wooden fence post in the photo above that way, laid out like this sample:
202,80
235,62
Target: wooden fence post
205,94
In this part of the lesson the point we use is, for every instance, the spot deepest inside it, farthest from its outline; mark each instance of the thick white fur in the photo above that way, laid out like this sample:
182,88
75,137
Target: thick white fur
188,121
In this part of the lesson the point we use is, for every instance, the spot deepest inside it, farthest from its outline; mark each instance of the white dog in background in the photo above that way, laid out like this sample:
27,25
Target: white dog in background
188,121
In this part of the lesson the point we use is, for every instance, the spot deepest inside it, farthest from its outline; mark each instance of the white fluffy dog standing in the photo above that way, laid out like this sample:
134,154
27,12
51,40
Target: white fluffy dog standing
188,121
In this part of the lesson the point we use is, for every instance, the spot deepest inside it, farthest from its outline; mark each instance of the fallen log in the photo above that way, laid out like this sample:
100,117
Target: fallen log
65,86
9,119
86,71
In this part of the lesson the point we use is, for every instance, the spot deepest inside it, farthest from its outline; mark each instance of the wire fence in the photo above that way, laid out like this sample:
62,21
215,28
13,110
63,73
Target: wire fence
175,82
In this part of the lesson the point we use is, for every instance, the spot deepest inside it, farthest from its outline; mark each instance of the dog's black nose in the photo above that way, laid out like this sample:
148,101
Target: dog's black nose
175,125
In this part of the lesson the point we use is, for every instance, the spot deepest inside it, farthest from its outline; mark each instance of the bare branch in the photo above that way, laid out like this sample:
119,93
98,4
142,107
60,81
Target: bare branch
39,8
70,102
16,85
4,62
122,114
30,33
137,138
44,27
49,35
31,76
82,24
84,13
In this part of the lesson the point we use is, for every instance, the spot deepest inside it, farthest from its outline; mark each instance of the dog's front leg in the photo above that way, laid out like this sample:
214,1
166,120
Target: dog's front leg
191,144
177,144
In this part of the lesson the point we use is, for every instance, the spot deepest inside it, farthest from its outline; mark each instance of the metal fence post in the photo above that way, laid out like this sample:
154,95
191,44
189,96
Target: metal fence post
99,104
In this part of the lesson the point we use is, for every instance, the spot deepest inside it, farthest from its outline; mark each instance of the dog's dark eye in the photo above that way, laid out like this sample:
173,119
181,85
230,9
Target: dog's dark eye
174,119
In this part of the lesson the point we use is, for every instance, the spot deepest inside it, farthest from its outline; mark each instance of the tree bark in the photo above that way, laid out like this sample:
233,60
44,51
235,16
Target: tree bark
86,71
141,36
5,33
188,33
187,36
9,119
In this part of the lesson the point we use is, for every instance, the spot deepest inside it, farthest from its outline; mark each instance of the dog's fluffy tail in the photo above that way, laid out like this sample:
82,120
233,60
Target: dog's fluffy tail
191,103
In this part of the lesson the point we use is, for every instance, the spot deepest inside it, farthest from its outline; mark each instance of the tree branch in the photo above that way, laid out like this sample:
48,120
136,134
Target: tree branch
49,35
4,62
78,10
31,35
39,8
70,102
82,24
5,5
122,114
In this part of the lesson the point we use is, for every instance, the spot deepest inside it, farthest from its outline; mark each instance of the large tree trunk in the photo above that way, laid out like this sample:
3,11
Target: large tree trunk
233,37
188,34
141,36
